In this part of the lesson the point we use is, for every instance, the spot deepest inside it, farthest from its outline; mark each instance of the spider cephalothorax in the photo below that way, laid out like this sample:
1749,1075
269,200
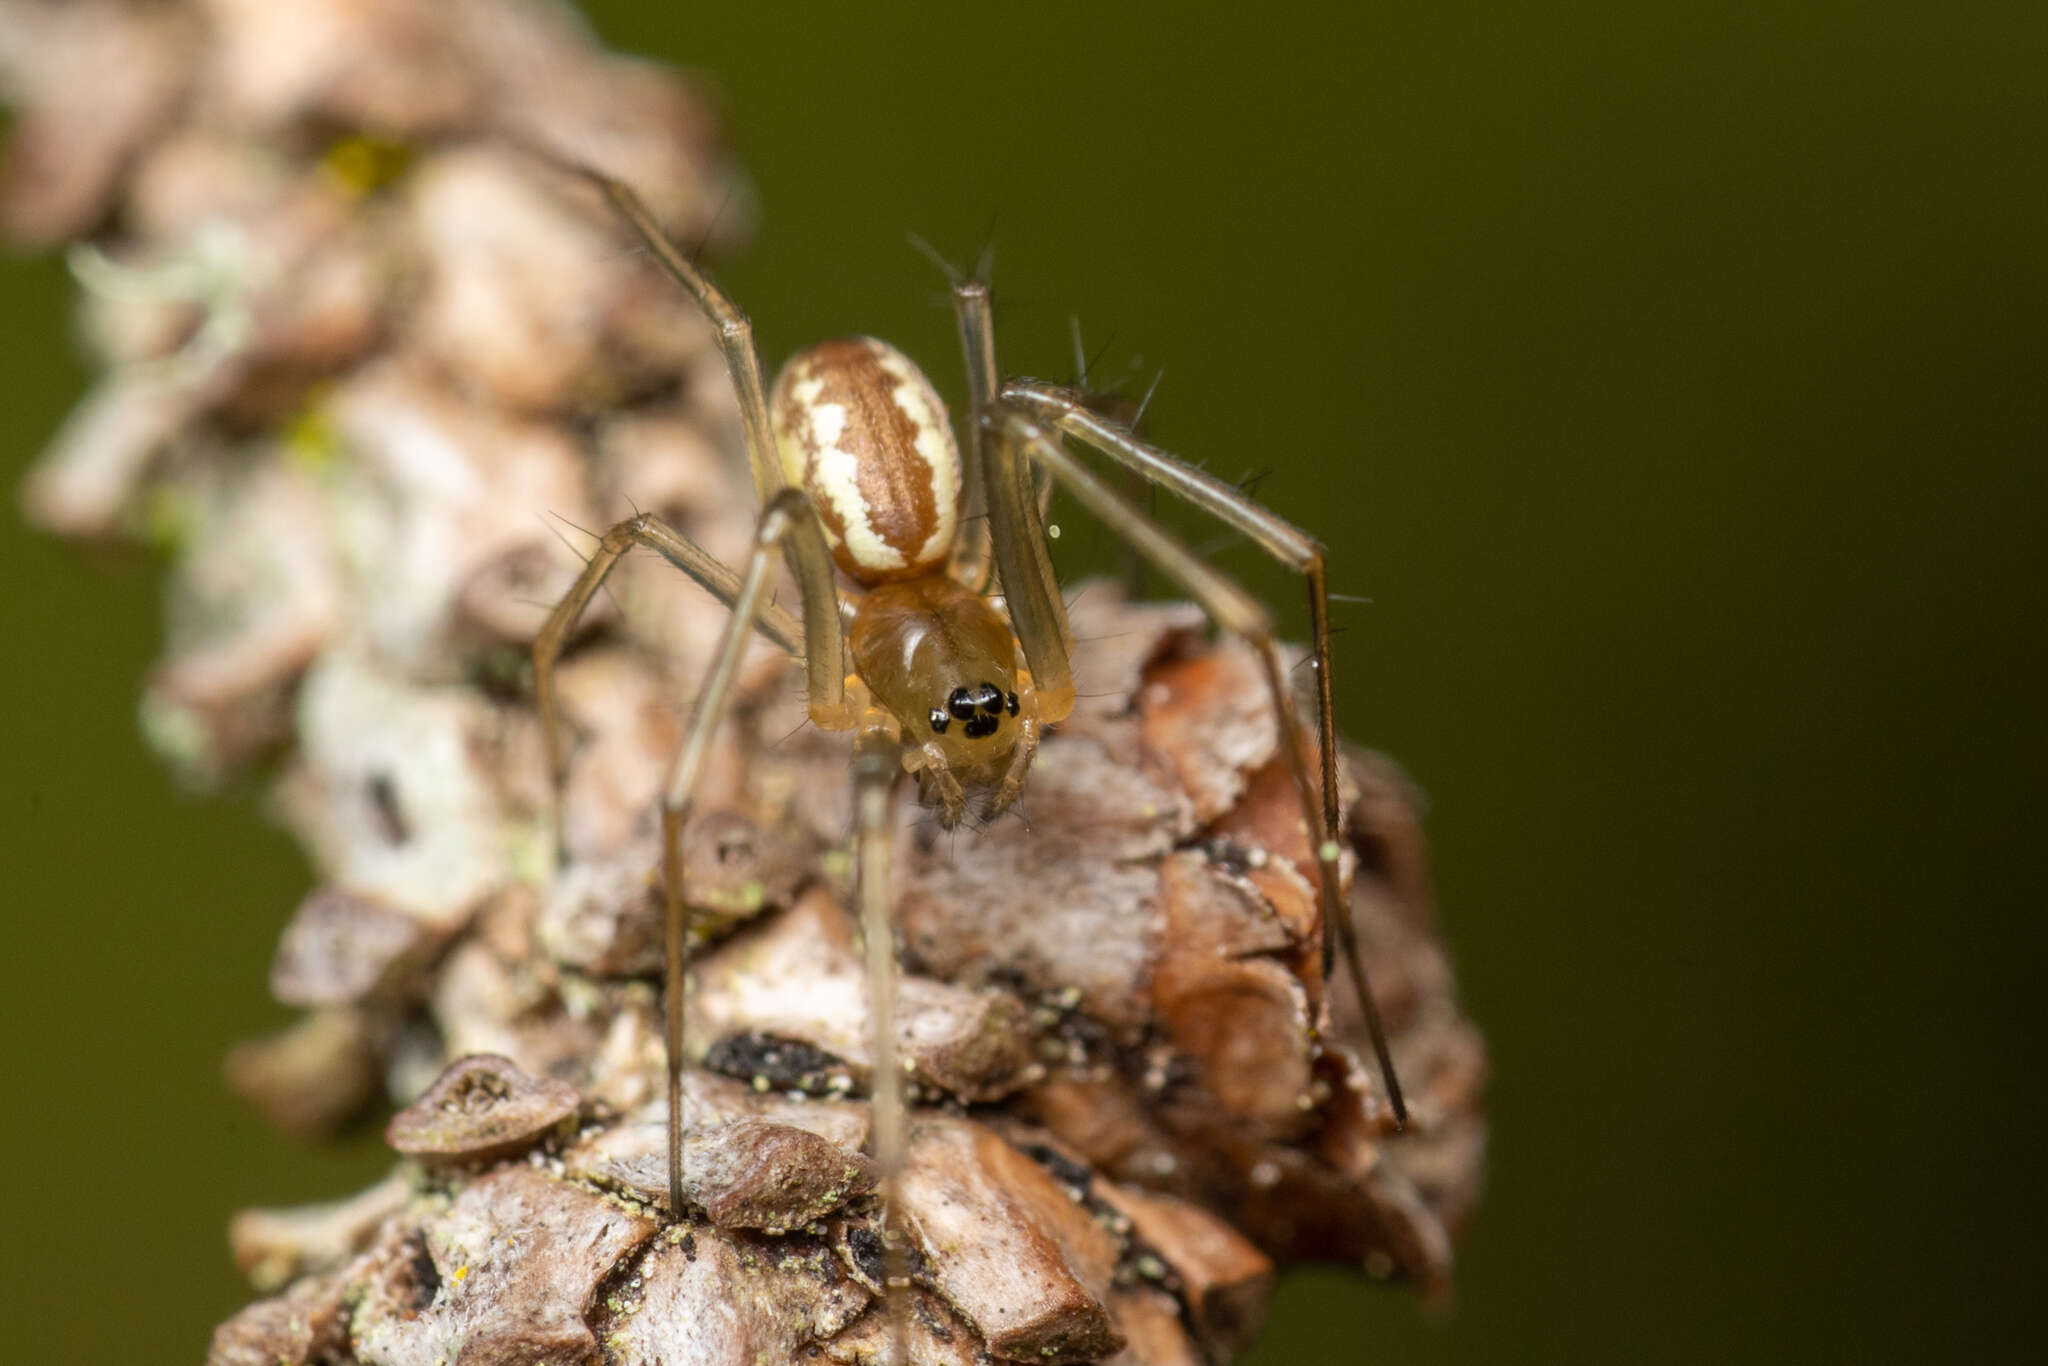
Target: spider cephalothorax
940,659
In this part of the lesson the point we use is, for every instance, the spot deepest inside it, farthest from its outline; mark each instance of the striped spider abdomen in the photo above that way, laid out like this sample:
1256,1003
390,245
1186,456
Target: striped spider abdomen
862,431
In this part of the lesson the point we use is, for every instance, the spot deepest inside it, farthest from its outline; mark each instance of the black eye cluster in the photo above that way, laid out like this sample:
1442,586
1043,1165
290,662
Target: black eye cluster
979,707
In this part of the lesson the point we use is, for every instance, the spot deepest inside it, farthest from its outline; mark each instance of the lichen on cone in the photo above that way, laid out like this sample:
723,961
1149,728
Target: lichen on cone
364,367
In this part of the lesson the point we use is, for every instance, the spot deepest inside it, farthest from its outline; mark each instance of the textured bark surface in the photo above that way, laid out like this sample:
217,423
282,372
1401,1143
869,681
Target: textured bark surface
361,361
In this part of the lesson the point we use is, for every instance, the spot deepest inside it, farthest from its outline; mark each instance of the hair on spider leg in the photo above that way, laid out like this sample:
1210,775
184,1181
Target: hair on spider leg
542,518
1014,811
609,596
1084,364
1158,377
1249,485
1107,635
641,251
984,259
798,729
1111,400
703,241
1216,545
956,278
924,248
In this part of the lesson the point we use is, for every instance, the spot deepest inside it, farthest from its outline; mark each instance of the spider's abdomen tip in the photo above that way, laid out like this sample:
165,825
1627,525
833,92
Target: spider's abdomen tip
862,431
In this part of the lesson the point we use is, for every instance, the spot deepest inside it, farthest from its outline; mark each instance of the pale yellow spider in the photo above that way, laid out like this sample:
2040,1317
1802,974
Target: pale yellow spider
856,467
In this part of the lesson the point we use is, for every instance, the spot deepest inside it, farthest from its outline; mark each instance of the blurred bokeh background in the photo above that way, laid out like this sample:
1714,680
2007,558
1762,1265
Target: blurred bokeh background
1669,378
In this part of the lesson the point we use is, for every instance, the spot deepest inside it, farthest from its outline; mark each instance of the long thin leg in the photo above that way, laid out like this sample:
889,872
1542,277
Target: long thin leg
974,310
809,559
877,767
1137,489
735,330
1030,592
679,550
787,511
1281,539
1232,609
1063,409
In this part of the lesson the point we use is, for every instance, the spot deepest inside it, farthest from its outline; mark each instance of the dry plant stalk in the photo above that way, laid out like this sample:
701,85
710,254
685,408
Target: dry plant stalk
356,351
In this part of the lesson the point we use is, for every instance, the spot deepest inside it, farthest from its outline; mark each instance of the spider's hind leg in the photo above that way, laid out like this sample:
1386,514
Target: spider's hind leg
680,551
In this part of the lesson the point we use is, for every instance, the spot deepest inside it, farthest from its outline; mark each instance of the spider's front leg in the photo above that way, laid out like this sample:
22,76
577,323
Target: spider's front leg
810,562
1014,423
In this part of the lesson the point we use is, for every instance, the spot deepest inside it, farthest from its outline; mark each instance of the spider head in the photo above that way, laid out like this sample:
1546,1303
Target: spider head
943,662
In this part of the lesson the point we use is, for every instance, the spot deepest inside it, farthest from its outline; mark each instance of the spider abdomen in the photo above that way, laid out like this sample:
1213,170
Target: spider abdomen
862,431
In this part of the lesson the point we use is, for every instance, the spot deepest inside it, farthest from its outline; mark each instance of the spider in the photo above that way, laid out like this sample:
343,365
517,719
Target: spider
858,471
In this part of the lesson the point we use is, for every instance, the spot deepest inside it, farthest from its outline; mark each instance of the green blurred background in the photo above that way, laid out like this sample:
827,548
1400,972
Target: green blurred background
1668,376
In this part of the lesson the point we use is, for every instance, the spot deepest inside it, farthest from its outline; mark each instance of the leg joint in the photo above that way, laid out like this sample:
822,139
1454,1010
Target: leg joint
782,513
625,535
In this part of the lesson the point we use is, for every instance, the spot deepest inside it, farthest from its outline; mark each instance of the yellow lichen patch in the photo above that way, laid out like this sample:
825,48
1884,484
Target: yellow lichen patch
363,164
311,440
165,518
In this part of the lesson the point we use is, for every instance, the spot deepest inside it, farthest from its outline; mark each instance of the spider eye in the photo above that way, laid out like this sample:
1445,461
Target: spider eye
980,707
940,720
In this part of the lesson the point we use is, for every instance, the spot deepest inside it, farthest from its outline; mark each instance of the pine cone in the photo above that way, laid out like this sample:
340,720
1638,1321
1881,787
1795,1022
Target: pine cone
367,369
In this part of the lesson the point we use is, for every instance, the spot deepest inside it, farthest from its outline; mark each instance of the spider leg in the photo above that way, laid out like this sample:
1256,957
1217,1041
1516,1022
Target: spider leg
679,550
804,546
877,766
1031,594
1063,410
983,539
1233,610
735,331
974,311
786,511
